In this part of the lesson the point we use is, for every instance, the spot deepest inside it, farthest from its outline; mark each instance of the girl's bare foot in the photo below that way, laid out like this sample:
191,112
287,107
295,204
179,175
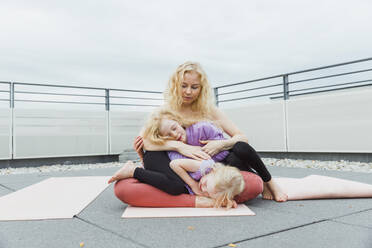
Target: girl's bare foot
266,193
276,191
125,172
204,202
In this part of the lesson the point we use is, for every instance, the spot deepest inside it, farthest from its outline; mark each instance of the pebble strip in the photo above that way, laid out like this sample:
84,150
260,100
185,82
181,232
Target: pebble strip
341,165
295,163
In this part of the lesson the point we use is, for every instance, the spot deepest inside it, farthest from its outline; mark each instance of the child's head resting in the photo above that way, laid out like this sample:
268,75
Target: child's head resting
163,125
223,183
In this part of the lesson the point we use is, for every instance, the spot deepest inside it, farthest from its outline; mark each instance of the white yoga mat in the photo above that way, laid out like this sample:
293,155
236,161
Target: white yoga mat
53,198
139,212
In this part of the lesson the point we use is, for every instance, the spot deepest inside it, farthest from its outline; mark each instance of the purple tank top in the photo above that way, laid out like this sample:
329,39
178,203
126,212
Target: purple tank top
202,130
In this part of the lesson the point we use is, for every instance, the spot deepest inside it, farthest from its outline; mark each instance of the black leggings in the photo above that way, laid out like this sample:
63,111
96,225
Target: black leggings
245,158
158,173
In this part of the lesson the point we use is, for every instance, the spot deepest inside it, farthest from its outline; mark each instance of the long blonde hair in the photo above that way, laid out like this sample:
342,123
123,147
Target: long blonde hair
152,126
229,182
173,95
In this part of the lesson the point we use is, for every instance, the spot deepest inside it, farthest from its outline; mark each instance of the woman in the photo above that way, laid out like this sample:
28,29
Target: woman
189,95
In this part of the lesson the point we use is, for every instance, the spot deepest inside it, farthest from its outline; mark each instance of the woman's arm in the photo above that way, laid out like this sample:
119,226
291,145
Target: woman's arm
181,167
215,146
230,128
194,152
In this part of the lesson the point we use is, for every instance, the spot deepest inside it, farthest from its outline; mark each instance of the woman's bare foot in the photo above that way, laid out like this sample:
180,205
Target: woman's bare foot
204,202
266,193
276,191
125,172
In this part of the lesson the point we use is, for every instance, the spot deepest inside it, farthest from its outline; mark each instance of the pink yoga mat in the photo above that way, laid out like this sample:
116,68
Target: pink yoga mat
53,198
138,212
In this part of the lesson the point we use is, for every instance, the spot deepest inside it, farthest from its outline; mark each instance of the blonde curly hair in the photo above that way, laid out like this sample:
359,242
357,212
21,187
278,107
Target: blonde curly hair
173,94
152,126
229,183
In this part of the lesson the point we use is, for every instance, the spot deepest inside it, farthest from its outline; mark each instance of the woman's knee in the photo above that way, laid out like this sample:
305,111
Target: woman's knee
154,159
243,150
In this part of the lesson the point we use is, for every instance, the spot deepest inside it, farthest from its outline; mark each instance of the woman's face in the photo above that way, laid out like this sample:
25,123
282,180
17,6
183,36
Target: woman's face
190,87
172,129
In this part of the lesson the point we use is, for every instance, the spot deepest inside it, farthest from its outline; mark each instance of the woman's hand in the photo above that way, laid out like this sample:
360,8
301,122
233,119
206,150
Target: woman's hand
138,146
212,147
194,152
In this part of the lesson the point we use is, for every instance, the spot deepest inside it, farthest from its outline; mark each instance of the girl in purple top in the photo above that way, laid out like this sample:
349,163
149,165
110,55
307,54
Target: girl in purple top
197,132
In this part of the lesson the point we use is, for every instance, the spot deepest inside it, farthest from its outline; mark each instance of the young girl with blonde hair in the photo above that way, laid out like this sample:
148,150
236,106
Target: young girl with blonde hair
215,180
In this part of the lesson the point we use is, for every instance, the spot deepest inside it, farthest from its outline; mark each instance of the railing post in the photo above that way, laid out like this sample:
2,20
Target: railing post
216,95
11,102
11,95
285,87
108,122
107,99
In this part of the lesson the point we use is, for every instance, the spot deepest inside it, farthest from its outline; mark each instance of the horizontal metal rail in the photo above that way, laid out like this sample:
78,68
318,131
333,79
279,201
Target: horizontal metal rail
242,98
248,82
327,86
87,88
56,94
106,92
336,89
329,76
321,91
136,98
250,89
286,83
59,102
14,95
124,104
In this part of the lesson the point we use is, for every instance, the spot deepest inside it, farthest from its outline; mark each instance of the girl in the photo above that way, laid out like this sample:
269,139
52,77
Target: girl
219,182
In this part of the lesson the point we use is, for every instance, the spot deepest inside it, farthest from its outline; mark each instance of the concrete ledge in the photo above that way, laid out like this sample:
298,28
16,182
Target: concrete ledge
16,163
356,157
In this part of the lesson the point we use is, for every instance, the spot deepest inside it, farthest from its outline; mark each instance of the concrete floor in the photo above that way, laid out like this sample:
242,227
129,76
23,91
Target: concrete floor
311,223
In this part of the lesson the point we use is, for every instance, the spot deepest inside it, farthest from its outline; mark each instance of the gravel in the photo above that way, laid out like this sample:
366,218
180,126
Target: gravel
298,163
57,168
341,165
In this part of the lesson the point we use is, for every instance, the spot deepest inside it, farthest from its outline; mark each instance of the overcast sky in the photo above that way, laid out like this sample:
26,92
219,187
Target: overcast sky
138,44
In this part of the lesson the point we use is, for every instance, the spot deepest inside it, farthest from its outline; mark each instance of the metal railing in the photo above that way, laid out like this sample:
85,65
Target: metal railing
286,84
283,88
106,95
